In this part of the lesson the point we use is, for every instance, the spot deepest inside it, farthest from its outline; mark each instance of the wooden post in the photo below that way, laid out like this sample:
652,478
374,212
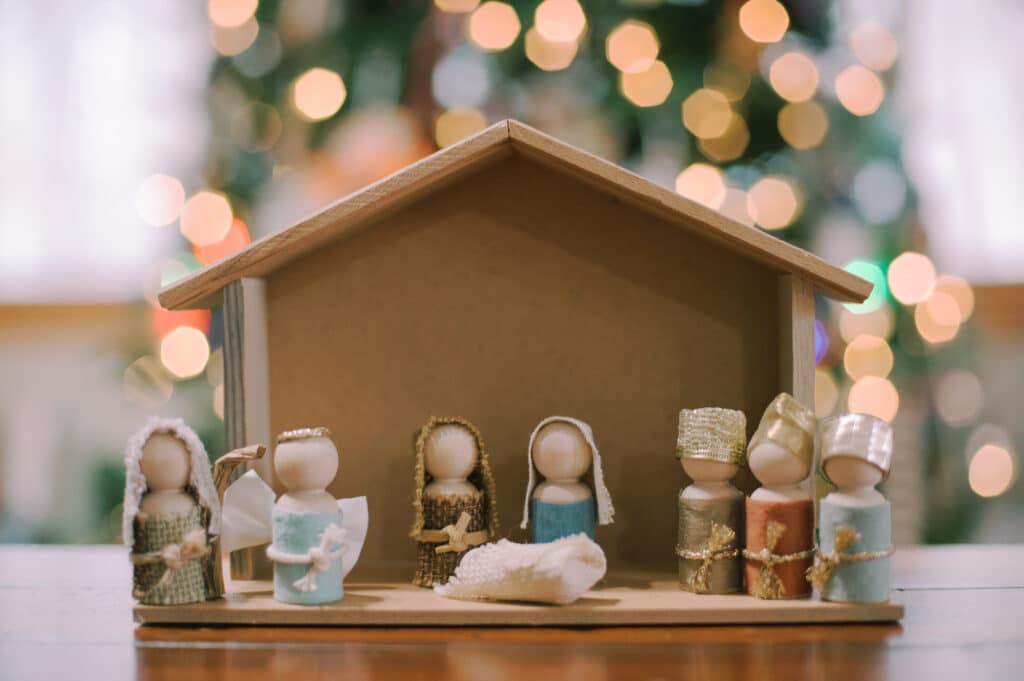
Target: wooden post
796,342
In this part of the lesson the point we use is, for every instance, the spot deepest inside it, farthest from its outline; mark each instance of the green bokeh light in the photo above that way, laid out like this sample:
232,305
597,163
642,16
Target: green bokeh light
874,274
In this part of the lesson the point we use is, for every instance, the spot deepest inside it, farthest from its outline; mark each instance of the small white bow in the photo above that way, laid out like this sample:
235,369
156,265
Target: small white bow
322,556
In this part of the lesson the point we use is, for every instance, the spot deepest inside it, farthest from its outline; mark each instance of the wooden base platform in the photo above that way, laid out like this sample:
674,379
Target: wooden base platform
625,603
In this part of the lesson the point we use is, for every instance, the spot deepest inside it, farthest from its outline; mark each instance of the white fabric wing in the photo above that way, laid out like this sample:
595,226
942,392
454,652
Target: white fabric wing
248,509
557,572
355,519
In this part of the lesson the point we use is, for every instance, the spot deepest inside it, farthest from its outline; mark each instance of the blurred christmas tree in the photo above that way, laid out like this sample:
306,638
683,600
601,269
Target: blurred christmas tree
778,115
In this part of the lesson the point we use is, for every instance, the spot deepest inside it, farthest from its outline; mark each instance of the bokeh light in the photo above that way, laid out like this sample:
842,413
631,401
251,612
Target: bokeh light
494,26
163,321
560,20
456,124
256,127
734,206
764,21
702,183
867,356
456,6
872,273
206,218
215,367
707,113
729,79
803,125
874,395
236,40
773,202
874,45
184,352
959,397
461,79
728,146
960,291
911,277
794,76
879,322
145,382
235,240
859,90
632,46
218,401
821,342
647,88
159,199
938,318
826,393
230,13
318,94
548,55
880,191
991,471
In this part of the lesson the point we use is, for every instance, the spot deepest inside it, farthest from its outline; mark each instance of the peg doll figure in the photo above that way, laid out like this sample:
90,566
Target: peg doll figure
563,451
171,514
711,448
780,513
855,521
454,500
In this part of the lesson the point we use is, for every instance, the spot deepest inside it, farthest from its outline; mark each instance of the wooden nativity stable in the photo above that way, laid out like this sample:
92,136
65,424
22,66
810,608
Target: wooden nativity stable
504,279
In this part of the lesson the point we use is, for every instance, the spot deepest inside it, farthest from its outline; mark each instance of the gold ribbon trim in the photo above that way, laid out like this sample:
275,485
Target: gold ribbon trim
193,546
768,585
454,538
826,563
718,547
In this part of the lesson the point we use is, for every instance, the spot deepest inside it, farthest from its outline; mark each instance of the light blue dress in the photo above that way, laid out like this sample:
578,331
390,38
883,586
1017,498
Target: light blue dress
549,522
297,533
864,581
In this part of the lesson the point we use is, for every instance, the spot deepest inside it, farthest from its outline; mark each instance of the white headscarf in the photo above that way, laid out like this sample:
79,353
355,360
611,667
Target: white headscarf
200,477
605,510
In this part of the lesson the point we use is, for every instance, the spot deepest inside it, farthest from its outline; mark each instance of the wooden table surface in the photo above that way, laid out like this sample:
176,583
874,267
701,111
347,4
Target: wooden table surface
65,613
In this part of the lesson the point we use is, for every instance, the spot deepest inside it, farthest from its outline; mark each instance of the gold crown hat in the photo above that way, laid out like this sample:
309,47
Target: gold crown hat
861,436
303,434
714,434
789,424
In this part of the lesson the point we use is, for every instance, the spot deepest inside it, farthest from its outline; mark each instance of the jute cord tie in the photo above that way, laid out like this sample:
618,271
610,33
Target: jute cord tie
826,563
718,547
454,538
193,546
768,585
319,558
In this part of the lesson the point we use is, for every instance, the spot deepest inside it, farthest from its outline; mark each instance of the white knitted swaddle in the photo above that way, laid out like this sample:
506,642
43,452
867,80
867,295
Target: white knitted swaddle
557,572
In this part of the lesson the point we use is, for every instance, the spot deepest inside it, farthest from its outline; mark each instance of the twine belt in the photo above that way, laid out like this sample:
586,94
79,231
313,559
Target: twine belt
454,538
193,546
768,584
819,573
319,558
718,547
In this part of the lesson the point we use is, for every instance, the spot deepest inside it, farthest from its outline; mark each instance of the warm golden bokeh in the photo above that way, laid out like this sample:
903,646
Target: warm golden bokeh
764,21
960,291
235,240
494,26
647,88
938,318
874,45
318,94
991,471
867,356
803,125
911,277
734,205
230,13
632,46
707,113
702,183
456,6
773,202
794,76
159,199
958,397
875,396
826,393
548,55
878,322
560,20
206,218
236,40
729,79
730,145
859,90
456,124
184,352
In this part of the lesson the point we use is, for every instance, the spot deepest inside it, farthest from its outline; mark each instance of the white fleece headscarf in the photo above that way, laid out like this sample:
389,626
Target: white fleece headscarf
605,510
200,477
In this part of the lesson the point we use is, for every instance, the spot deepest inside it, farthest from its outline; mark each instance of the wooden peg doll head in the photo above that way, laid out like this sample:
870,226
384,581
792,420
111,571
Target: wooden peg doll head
711,448
450,454
306,462
782,449
166,465
561,453
856,455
